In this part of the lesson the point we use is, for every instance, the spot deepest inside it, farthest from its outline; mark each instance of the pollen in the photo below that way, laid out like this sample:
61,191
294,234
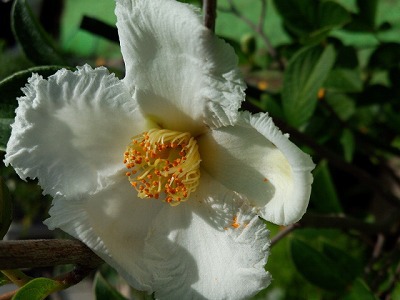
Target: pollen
235,223
163,164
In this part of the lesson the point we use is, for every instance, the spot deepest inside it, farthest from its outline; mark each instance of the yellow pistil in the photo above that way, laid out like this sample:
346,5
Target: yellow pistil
163,164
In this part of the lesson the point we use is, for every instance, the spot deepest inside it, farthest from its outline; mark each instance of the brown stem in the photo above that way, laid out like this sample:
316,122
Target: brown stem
258,28
281,234
66,280
43,253
75,276
210,13
8,295
347,223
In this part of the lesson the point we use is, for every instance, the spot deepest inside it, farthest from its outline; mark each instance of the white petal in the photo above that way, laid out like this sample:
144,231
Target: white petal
197,254
71,130
114,224
180,72
255,159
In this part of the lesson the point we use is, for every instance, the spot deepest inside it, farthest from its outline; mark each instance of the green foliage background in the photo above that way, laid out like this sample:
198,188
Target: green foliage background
328,72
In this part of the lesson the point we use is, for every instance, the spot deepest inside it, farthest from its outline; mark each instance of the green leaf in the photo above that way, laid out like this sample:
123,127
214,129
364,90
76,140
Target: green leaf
375,94
360,290
386,56
10,87
299,17
35,42
342,105
324,197
310,20
104,291
365,19
393,119
367,10
317,268
350,267
348,144
304,76
347,57
332,15
5,209
344,80
5,132
38,289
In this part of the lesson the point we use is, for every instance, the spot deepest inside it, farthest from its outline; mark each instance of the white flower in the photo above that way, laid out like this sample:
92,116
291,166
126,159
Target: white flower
100,145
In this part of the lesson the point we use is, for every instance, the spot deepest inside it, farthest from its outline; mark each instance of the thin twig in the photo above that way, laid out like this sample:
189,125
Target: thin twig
281,234
347,223
258,28
312,220
43,253
75,276
263,13
210,13
380,241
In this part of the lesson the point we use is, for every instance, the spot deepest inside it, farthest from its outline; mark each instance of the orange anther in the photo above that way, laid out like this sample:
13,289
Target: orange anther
235,224
159,157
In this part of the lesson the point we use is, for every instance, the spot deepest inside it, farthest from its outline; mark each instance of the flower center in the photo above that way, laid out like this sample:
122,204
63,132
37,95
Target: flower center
163,161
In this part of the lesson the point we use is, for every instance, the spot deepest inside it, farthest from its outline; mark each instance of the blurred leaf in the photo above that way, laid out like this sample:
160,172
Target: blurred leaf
317,268
375,94
5,209
248,44
396,292
104,291
350,266
394,76
312,20
367,10
272,106
359,290
345,80
332,15
393,119
323,196
304,76
5,132
299,17
346,58
386,56
35,42
348,144
38,289
385,26
268,104
365,19
342,105
266,80
10,88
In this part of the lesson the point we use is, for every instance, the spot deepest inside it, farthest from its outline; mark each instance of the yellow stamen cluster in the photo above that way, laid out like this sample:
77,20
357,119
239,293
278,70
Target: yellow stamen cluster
163,162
